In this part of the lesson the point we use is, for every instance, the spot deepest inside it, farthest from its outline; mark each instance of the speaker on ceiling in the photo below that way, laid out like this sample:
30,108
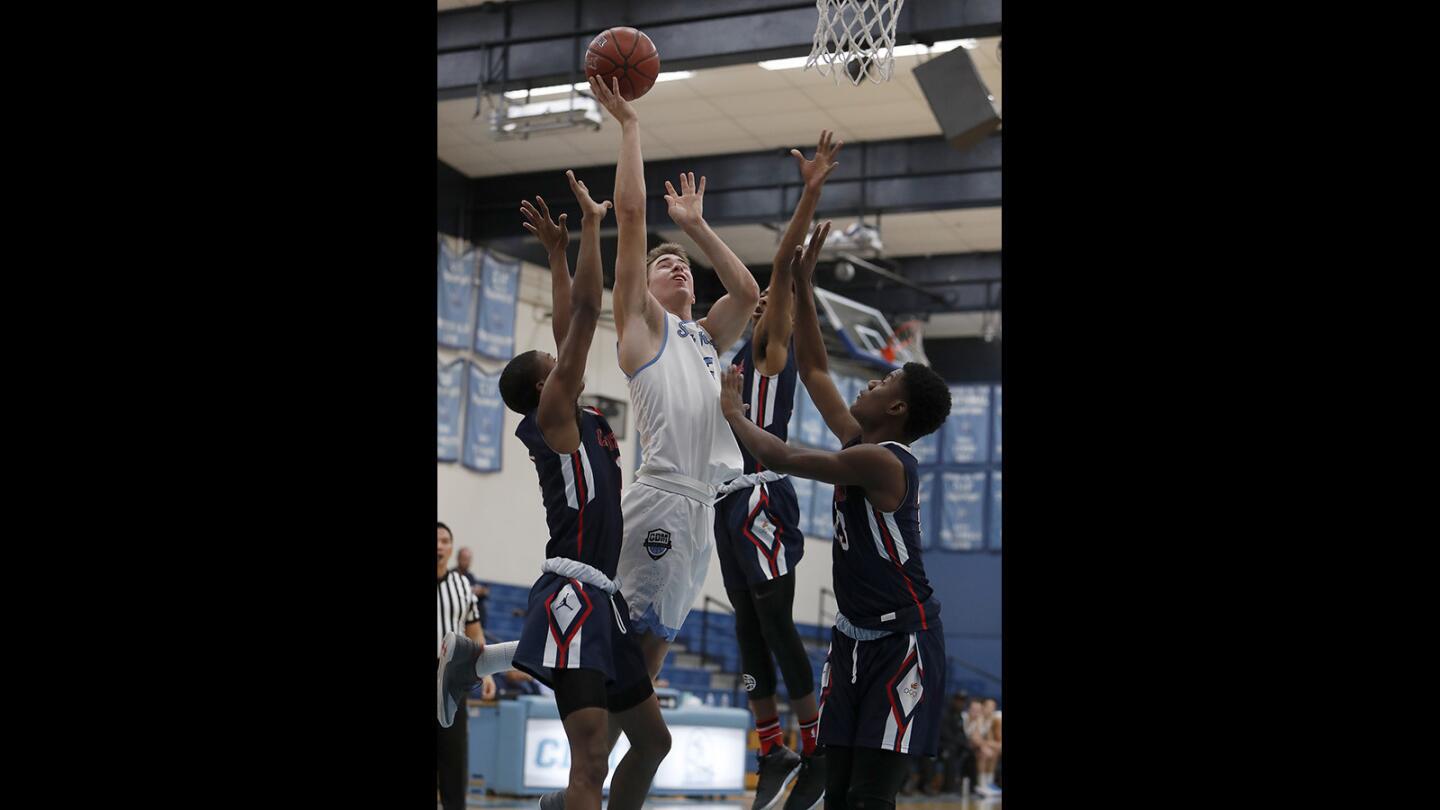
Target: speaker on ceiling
963,107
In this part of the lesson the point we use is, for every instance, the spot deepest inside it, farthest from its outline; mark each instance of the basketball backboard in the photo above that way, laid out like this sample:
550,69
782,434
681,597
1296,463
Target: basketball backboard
863,333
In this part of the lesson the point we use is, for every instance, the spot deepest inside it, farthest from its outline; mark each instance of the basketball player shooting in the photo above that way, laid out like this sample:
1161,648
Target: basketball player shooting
883,684
757,530
575,638
672,363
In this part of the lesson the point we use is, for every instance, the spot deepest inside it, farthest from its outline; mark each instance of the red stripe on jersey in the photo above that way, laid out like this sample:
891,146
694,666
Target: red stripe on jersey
895,558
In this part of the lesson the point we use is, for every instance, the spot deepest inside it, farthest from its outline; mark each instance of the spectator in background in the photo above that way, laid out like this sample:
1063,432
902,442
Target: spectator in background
957,759
992,712
982,731
481,591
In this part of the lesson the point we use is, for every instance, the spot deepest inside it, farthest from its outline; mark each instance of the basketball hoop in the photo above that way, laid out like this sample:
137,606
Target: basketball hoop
855,38
910,336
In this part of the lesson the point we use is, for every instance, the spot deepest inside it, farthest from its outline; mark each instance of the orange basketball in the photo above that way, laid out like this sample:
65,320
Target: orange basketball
627,55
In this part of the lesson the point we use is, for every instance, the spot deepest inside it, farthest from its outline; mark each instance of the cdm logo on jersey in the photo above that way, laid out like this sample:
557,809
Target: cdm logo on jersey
657,542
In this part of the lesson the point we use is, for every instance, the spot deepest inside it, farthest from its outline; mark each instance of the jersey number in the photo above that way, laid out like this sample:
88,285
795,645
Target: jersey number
840,536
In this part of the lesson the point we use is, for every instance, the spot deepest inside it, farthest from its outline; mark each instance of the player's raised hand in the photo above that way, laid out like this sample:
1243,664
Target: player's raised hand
686,208
802,261
554,236
589,209
610,98
815,170
731,405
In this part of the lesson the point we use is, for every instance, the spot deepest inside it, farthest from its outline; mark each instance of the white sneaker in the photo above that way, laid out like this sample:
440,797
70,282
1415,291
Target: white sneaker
988,790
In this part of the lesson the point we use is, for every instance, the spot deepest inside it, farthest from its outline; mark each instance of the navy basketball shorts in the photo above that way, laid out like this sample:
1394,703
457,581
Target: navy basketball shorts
572,625
757,535
886,694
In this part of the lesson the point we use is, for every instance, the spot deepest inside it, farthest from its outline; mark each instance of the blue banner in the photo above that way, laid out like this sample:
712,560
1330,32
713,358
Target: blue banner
927,515
967,430
804,494
806,425
927,448
995,510
449,393
484,421
962,511
797,414
822,518
995,436
848,388
499,290
455,302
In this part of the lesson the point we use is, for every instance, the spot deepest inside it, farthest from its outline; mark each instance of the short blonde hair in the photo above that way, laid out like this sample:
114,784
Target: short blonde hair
667,248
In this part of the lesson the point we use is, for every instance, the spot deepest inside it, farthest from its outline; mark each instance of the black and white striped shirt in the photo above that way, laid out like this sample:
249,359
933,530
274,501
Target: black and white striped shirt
454,606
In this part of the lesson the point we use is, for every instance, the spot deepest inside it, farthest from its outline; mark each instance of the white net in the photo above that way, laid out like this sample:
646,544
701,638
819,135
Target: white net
855,39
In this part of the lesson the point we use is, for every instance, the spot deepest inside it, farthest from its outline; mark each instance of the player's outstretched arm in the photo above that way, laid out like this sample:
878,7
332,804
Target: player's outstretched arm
866,465
773,330
727,317
556,413
632,299
812,364
556,238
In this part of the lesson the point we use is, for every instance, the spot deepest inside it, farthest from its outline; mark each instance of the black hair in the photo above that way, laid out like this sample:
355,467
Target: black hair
440,525
928,401
517,382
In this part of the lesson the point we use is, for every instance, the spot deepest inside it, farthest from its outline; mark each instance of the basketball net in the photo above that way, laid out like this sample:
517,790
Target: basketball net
855,38
908,335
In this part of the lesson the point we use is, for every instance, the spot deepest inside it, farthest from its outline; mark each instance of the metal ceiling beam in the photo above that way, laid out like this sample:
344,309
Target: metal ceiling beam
878,177
531,44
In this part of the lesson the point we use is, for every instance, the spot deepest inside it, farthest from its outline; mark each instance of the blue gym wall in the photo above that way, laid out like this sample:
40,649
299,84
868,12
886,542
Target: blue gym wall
968,586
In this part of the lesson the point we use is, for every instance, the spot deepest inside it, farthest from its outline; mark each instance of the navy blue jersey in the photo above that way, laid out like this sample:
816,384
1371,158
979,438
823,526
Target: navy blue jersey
880,582
581,491
771,399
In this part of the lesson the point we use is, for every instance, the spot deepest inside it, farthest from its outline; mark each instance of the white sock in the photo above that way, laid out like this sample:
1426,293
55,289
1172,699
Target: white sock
495,658
987,778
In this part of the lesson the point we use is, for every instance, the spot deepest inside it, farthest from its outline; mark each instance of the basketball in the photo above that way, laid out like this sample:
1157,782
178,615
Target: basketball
624,54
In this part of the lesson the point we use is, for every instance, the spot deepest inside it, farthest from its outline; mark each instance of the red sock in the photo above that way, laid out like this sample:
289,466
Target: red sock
807,735
769,731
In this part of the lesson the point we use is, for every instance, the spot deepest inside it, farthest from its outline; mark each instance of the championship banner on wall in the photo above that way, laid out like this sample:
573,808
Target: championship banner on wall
455,289
484,421
449,394
967,429
962,511
499,290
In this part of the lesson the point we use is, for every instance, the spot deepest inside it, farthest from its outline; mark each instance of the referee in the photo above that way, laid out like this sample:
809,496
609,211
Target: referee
454,610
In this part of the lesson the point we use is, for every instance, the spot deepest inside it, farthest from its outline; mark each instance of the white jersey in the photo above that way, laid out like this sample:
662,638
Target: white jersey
677,408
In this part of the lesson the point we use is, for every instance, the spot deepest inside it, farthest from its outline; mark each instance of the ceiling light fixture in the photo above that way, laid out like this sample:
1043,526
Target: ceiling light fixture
556,89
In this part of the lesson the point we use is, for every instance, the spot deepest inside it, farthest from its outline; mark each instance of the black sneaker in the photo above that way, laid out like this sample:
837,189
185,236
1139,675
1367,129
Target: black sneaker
776,771
809,790
553,801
